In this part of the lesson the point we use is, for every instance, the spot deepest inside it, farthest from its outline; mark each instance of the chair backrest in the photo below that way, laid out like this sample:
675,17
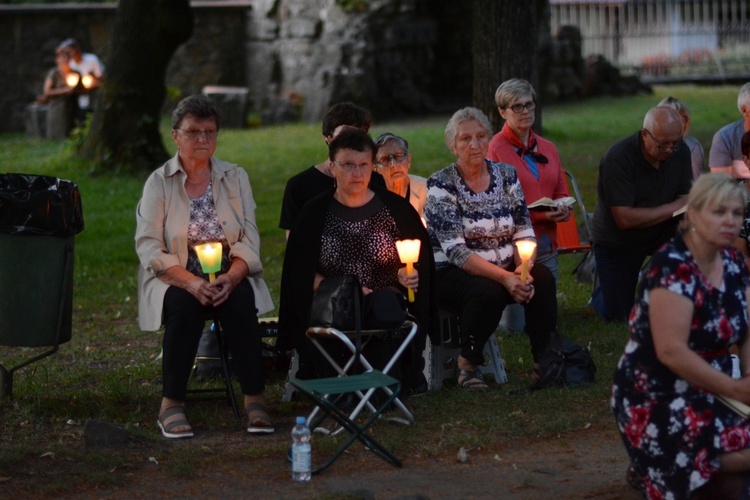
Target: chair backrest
568,236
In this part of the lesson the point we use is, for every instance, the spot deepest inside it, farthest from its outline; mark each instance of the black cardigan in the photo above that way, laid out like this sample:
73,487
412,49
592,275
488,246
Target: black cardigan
302,256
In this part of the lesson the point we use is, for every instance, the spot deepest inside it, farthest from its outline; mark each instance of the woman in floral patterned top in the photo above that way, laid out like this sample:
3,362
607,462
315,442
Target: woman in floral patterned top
692,306
475,212
195,198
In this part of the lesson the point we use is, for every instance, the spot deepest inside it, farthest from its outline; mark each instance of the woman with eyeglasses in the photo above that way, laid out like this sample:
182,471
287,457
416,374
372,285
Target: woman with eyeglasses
352,229
193,199
537,165
393,162
476,214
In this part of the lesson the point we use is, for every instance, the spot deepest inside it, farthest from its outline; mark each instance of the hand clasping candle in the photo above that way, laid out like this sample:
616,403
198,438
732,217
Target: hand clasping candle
408,252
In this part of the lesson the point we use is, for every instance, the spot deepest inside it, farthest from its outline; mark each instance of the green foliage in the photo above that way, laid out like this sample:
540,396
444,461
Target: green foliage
109,370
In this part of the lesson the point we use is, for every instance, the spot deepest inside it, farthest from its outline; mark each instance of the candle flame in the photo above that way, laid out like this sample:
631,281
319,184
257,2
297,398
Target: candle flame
72,79
525,249
87,81
209,255
408,250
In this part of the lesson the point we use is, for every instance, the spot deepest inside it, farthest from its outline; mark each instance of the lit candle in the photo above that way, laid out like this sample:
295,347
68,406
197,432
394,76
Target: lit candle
87,81
72,79
209,255
408,252
525,250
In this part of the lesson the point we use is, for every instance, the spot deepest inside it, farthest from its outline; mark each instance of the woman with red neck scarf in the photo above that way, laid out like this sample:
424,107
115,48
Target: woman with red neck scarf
536,161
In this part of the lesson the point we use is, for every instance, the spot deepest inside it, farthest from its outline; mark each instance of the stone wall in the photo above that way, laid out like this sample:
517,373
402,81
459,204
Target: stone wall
388,58
396,57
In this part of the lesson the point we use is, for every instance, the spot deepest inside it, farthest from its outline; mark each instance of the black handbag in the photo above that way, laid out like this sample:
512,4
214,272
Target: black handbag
566,363
335,303
338,303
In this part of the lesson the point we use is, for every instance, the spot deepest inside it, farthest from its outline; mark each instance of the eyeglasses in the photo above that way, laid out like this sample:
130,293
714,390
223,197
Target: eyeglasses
672,146
518,107
396,159
193,135
350,167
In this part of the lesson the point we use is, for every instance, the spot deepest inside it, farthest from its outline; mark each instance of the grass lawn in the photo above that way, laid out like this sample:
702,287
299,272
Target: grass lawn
108,370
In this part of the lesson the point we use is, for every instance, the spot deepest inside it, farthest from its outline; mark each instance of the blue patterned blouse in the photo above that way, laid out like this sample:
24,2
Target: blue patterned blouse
462,222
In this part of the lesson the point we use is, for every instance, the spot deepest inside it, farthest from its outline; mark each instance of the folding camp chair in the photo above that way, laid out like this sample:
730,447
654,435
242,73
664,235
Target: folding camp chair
227,391
318,335
321,391
568,236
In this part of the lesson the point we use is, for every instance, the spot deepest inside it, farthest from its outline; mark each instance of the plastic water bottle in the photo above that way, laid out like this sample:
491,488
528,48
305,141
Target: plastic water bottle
301,451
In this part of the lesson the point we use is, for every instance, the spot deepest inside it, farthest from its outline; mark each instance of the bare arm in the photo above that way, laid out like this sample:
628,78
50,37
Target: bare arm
670,316
637,218
745,346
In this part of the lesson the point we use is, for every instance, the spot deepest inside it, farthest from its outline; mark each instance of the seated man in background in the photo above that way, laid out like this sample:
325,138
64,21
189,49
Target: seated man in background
643,181
725,154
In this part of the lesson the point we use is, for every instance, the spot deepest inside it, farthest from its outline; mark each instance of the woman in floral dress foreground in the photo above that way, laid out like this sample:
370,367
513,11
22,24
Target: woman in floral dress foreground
692,305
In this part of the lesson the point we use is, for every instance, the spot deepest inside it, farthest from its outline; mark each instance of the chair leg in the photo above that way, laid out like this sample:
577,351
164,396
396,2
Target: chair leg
495,365
288,387
224,357
356,432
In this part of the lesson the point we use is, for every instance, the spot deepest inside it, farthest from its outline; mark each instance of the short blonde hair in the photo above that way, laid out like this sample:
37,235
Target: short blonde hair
710,190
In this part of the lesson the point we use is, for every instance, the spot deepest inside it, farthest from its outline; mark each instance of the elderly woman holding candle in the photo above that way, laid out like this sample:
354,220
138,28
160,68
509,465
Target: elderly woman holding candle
191,200
476,217
352,229
393,162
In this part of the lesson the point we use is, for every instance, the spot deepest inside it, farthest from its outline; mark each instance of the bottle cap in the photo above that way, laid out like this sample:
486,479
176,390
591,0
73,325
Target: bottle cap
301,420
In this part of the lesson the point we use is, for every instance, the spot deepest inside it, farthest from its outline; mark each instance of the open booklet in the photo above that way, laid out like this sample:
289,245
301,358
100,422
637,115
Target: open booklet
738,407
550,204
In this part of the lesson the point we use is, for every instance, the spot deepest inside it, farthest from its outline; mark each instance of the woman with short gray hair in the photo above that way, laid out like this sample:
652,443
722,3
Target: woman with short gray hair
475,214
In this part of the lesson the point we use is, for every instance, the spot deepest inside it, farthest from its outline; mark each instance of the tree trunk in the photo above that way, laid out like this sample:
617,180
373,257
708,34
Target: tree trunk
506,37
124,132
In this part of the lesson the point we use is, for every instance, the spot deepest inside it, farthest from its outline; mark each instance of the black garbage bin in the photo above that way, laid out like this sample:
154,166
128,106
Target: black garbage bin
39,218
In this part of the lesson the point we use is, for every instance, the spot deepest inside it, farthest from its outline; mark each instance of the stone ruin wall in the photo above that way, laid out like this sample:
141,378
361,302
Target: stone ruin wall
296,57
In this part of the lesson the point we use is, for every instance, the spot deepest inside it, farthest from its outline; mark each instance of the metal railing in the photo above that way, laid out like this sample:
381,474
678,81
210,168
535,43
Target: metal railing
662,37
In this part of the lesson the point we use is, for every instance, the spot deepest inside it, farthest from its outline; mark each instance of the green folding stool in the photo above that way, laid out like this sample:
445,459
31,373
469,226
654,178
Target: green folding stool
325,392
